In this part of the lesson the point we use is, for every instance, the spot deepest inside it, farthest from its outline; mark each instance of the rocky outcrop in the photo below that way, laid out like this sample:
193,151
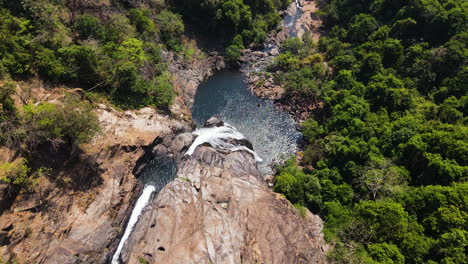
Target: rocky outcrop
263,84
188,75
77,214
219,210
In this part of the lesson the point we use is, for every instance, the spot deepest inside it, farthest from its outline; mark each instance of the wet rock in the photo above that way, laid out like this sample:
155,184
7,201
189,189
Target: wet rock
181,143
220,210
214,122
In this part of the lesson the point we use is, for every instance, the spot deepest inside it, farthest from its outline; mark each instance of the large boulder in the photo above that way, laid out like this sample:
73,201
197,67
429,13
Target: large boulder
219,210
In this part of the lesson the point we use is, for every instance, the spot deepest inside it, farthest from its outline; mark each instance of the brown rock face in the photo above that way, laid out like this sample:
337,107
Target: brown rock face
78,215
219,210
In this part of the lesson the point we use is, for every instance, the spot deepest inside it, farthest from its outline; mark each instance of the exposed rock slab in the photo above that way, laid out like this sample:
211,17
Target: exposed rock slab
70,221
262,83
219,210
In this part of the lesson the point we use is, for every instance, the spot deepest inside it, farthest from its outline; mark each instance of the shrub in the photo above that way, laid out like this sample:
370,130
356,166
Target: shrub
292,45
15,173
171,29
89,26
119,29
72,122
141,19
234,51
286,62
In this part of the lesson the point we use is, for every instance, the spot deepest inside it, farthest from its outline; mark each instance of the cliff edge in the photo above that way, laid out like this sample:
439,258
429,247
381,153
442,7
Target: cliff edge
219,210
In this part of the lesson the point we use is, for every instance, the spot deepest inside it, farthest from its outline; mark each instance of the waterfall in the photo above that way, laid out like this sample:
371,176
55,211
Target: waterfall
139,206
220,138
298,5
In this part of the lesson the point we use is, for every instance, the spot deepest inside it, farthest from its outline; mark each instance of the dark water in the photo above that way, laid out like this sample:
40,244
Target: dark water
160,171
272,133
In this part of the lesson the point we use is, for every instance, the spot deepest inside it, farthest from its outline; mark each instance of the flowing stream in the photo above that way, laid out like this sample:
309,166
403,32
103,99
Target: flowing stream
159,172
225,95
220,138
272,133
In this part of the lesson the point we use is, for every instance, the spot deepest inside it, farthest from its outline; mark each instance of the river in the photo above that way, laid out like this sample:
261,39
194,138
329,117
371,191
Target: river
272,133
225,95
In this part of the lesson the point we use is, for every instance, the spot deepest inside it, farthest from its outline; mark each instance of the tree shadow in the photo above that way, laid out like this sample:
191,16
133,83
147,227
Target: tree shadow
70,168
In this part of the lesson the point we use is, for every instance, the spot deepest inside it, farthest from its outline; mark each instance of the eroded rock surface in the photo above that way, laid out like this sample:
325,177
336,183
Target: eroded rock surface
78,214
219,210
263,83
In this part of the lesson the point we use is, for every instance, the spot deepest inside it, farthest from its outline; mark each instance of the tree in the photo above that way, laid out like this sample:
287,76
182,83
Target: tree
89,26
15,58
141,19
381,176
292,45
386,253
361,27
71,122
386,221
171,28
234,51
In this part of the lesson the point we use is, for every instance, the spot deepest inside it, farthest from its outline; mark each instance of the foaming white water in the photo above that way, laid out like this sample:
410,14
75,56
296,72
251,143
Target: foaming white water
139,206
298,5
218,138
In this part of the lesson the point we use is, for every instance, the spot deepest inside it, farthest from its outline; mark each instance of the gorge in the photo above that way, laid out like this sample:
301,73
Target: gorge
233,131
232,112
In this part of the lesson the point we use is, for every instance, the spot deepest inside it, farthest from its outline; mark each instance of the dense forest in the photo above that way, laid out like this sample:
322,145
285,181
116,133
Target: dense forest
114,56
118,54
386,162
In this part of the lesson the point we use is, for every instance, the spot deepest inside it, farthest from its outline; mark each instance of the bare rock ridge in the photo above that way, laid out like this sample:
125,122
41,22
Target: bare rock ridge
219,210
78,215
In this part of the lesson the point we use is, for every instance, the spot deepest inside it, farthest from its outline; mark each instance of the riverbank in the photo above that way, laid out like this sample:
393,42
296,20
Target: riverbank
78,213
262,83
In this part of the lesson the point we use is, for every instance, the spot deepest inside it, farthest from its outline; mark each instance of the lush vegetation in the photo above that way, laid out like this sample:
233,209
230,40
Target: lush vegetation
386,163
34,127
118,55
240,22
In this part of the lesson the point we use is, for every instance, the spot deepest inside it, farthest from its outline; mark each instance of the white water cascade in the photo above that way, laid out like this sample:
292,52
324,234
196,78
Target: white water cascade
218,138
298,5
139,206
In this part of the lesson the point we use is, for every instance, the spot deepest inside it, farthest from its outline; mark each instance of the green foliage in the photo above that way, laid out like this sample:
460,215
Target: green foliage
386,253
9,119
89,26
92,53
301,210
286,62
171,28
299,187
361,27
292,45
119,28
72,122
251,19
389,145
131,49
15,173
15,36
142,260
234,51
141,19
48,18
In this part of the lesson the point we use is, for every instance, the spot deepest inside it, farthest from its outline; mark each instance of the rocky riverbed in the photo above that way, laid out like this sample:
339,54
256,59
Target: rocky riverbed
255,62
78,214
219,210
